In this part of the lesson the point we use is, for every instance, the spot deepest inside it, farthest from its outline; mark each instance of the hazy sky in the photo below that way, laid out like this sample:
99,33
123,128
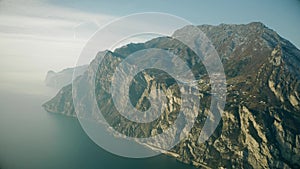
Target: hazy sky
36,36
281,15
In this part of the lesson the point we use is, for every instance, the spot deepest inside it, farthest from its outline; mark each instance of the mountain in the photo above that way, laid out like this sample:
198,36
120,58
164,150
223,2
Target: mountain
60,79
261,119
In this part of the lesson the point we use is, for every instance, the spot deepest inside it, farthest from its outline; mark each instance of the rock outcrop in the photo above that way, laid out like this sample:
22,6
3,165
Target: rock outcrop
261,119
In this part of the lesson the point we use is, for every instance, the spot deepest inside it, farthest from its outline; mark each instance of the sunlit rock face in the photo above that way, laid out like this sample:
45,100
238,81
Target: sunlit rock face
260,123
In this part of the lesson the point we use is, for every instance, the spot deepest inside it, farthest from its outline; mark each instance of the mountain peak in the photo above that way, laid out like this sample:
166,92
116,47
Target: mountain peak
260,122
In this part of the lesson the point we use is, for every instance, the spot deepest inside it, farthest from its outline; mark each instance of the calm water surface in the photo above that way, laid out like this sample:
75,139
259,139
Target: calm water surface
31,138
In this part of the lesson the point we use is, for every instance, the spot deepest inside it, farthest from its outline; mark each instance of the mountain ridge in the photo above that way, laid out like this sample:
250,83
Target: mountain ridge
259,123
64,77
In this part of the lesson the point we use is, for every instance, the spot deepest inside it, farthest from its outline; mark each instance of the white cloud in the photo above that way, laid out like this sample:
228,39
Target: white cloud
39,33
36,37
38,17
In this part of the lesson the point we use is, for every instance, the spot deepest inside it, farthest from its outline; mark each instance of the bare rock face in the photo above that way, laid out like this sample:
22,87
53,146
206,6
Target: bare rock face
260,123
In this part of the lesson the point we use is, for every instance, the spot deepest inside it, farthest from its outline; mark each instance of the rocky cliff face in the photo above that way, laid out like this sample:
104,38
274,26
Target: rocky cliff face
259,127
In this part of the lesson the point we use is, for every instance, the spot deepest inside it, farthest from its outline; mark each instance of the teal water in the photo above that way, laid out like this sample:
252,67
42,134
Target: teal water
31,138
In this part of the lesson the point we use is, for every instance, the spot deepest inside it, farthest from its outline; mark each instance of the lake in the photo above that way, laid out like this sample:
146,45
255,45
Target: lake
31,138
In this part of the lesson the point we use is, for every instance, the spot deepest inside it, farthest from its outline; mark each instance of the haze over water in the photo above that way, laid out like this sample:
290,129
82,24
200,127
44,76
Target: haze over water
31,138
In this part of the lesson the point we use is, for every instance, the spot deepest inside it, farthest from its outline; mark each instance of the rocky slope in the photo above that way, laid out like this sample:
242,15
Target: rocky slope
259,127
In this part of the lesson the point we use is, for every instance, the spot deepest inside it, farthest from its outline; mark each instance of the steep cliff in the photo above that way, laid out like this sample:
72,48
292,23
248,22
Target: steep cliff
259,127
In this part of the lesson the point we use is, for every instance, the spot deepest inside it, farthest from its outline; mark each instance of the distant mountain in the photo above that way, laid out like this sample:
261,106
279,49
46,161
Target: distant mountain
260,123
64,77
